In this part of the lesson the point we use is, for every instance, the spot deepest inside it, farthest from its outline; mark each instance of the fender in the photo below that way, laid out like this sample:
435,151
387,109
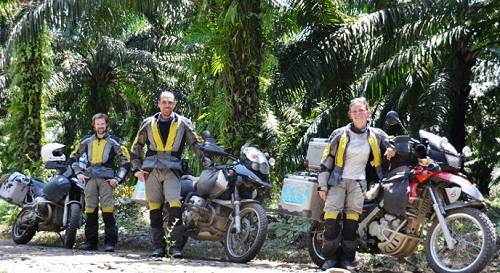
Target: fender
465,184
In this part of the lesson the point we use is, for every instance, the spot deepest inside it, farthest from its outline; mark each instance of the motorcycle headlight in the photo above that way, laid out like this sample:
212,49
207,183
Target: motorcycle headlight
254,166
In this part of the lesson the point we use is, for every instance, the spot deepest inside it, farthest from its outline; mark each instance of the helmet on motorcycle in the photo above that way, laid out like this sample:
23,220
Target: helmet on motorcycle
53,152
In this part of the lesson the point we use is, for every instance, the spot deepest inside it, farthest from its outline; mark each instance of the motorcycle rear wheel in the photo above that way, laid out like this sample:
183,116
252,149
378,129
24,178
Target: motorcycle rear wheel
314,240
24,228
244,246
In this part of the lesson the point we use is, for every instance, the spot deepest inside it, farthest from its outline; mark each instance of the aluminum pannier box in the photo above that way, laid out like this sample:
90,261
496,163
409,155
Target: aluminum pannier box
315,152
299,196
15,188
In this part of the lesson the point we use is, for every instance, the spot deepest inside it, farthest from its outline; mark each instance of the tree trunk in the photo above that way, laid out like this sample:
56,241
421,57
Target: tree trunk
460,68
241,76
31,68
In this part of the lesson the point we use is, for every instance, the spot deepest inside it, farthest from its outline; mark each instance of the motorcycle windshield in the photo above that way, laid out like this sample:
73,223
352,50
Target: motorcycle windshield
437,141
245,172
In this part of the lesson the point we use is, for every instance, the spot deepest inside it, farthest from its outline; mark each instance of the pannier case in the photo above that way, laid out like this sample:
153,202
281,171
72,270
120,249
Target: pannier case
15,188
299,196
315,152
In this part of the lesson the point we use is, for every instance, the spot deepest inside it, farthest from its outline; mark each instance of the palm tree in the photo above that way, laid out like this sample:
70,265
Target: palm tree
23,128
8,12
98,73
106,79
399,57
238,20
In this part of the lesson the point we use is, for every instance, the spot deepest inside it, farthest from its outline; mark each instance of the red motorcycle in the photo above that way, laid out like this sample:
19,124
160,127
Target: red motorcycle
442,205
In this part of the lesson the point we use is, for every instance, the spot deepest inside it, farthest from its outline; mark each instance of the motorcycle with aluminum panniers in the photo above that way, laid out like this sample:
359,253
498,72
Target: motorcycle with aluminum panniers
53,206
425,198
224,203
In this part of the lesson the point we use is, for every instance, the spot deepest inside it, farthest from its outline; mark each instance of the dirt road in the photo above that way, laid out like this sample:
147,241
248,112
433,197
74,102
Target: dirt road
35,258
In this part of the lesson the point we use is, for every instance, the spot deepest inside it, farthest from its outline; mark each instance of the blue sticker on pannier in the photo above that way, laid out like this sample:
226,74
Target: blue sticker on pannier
295,194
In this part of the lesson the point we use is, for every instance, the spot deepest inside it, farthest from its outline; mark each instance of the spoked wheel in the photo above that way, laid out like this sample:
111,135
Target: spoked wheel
315,242
244,246
475,242
24,227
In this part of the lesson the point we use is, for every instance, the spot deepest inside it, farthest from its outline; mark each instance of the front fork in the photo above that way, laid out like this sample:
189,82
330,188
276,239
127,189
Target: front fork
235,199
440,213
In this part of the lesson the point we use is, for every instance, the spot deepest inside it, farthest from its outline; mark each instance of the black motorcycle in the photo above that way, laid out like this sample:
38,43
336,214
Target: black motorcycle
53,206
223,204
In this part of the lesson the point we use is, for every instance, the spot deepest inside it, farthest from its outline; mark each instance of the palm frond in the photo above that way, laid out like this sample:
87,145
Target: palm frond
375,82
331,55
56,14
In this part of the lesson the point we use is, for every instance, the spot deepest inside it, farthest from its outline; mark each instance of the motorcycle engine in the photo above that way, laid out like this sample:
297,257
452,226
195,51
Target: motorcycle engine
42,208
392,241
384,227
196,210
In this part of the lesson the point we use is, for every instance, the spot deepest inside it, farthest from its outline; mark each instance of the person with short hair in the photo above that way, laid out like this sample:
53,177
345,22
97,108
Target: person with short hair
101,149
165,134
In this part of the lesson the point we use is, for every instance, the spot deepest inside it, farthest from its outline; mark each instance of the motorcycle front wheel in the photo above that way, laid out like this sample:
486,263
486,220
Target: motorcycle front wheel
475,242
243,246
75,212
24,227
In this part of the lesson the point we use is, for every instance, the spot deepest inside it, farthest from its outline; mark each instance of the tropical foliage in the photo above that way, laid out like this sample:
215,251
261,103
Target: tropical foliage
275,73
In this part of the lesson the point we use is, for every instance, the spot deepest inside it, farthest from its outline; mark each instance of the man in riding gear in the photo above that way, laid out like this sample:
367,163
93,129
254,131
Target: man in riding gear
101,149
165,134
352,152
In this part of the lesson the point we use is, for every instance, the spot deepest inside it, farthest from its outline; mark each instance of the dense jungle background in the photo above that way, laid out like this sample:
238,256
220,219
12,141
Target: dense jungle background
274,73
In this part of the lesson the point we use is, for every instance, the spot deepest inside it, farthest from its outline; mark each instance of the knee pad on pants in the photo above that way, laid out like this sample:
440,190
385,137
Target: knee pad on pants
156,219
174,215
108,219
332,229
349,231
92,218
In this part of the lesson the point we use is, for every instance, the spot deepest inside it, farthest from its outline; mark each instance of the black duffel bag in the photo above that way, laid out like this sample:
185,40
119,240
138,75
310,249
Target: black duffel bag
396,186
57,188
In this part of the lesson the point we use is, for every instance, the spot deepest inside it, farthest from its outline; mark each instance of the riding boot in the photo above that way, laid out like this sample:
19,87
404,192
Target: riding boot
331,240
349,254
349,244
110,231
91,231
177,235
157,233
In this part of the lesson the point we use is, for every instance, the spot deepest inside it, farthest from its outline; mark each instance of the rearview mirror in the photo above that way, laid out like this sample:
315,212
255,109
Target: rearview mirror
206,134
208,137
392,118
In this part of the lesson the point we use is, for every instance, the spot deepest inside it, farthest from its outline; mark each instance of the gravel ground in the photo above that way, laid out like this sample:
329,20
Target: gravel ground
36,258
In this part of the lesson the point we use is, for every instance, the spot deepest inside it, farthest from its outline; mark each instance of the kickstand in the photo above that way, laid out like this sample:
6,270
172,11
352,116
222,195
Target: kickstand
414,267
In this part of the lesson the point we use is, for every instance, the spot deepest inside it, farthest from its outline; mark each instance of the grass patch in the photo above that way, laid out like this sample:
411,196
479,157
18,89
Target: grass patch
8,212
